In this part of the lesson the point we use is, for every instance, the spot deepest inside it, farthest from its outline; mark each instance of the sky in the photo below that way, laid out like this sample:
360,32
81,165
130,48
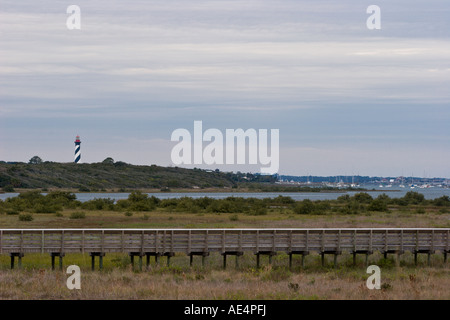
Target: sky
347,100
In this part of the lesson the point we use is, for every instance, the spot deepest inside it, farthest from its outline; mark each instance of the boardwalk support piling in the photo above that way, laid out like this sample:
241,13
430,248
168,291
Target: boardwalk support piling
333,252
428,252
140,255
231,253
203,254
302,252
265,253
100,256
168,255
365,252
61,256
13,256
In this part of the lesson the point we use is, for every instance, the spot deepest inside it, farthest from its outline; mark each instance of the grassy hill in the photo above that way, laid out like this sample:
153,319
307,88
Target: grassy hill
118,175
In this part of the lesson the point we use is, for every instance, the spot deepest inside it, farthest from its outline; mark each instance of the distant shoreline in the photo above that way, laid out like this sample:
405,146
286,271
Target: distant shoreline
189,190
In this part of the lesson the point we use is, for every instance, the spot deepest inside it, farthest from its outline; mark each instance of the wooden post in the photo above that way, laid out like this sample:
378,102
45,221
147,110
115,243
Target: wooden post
224,261
385,243
53,261
303,261
92,262
42,242
60,256
122,241
237,261
354,247
100,261
257,260
290,260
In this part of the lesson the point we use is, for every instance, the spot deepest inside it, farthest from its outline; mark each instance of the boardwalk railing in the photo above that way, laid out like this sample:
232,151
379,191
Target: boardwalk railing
167,242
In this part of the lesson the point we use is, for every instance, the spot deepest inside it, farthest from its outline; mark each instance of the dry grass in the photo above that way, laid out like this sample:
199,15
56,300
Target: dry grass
399,279
268,283
274,219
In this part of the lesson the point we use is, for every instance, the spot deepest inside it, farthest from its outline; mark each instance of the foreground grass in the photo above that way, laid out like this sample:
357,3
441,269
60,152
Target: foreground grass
399,279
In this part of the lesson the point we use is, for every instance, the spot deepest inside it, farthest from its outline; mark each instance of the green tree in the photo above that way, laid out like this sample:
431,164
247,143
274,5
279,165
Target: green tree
108,160
35,160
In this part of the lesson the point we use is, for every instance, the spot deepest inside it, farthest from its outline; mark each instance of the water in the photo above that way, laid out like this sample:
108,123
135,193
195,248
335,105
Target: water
429,193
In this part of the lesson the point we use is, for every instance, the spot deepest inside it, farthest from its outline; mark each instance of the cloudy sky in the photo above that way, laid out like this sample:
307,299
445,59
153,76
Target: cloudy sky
347,100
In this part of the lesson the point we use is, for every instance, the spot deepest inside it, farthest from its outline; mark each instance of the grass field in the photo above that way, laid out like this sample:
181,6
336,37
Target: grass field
275,218
400,278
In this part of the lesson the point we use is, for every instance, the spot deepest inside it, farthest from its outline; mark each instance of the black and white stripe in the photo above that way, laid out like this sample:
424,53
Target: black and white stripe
77,152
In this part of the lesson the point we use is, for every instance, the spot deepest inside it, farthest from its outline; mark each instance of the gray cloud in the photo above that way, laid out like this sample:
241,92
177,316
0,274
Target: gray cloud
140,69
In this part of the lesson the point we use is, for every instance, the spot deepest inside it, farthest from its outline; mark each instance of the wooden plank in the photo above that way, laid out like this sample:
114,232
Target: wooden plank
62,241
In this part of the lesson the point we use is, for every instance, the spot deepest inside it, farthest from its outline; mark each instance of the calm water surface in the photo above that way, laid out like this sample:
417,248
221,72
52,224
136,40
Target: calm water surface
429,193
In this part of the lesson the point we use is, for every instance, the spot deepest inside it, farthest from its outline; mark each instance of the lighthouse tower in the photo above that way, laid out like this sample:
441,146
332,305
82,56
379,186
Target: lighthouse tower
77,149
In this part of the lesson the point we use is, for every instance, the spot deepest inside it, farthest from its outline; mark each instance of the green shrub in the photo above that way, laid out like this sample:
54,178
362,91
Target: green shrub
25,217
8,188
77,215
304,207
98,204
420,210
234,217
46,208
258,211
362,197
378,205
128,214
443,201
412,197
352,207
12,212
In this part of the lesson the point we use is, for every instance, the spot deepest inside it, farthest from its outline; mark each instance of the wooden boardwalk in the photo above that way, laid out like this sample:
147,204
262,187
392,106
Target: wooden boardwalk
202,242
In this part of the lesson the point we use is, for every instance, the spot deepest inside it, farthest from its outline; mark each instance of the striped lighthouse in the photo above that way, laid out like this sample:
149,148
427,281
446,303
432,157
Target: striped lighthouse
77,150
